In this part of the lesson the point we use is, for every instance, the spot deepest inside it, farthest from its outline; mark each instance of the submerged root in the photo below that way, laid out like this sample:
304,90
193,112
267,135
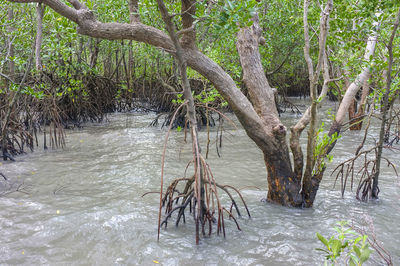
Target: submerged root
198,193
204,118
208,209
348,170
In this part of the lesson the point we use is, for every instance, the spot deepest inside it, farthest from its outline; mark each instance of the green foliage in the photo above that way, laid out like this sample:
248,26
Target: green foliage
352,22
323,142
282,24
346,243
179,99
217,23
379,92
236,14
32,92
209,96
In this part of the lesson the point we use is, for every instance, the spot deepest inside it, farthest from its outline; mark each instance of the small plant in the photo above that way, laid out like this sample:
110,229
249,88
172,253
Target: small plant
323,142
179,99
348,243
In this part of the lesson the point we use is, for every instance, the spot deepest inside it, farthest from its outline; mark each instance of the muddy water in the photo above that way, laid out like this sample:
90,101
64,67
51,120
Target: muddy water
83,205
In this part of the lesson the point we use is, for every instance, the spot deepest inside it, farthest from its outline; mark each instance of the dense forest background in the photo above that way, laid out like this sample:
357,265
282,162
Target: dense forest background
71,78
62,68
53,78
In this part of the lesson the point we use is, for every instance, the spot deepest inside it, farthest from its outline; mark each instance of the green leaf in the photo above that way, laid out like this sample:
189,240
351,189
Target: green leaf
357,251
365,255
336,247
323,240
323,250
352,262
230,4
357,240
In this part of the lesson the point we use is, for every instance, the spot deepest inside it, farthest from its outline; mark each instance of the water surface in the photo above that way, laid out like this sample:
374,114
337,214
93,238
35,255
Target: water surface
83,205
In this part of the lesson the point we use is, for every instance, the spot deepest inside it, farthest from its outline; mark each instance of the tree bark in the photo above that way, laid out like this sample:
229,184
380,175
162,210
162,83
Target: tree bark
385,105
309,183
283,185
357,109
94,52
133,6
355,86
39,35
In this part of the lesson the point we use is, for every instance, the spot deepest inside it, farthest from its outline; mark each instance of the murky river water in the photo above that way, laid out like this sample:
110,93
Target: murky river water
83,205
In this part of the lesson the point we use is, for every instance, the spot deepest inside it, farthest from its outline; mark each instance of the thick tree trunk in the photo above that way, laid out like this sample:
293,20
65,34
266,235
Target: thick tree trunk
283,185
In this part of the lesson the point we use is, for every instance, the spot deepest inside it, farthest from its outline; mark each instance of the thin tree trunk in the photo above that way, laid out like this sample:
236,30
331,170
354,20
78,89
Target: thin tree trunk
117,62
385,104
357,109
133,6
308,185
10,29
355,86
191,111
134,17
39,34
297,129
126,69
10,108
80,50
95,49
12,95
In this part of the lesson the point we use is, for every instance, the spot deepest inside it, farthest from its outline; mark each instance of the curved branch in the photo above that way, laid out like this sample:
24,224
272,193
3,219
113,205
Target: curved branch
88,25
355,86
57,6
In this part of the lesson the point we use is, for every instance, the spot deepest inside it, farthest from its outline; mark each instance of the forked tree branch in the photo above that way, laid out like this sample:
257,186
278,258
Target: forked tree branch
88,25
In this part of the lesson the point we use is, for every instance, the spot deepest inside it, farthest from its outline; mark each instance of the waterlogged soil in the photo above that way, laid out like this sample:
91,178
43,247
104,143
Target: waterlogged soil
83,205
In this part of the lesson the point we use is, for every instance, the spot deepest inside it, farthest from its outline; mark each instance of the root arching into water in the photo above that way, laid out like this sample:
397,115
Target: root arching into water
180,197
199,193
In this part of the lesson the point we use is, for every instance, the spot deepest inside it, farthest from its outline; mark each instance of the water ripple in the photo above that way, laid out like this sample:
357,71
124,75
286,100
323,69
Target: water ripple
84,204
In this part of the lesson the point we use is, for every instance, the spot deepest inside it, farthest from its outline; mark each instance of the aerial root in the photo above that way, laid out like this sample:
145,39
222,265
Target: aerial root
210,212
347,169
